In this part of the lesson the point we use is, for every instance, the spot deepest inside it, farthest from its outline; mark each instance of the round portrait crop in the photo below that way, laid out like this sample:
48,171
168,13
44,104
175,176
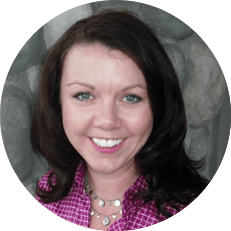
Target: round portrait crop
115,141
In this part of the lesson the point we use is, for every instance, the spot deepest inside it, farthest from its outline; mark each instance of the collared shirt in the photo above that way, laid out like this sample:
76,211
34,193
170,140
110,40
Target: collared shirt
76,206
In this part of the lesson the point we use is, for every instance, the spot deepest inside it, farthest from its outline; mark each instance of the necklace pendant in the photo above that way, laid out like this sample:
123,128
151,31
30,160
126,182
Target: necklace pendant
106,221
117,203
101,203
92,212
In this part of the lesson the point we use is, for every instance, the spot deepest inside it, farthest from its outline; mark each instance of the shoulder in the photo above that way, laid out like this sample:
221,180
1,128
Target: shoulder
74,207
171,210
50,178
43,186
43,181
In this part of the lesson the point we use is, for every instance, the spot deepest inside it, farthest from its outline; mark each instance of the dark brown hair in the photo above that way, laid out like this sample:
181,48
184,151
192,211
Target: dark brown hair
170,174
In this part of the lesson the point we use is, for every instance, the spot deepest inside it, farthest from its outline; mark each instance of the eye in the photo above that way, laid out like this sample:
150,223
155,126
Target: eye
131,99
83,96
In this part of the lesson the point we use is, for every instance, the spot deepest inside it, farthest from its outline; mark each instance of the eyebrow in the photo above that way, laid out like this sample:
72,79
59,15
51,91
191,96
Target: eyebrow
82,84
92,87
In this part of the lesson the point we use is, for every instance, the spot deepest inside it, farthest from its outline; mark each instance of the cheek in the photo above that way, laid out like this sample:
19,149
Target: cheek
73,120
141,122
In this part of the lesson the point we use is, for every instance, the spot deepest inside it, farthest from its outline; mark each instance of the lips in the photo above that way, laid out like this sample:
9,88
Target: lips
108,146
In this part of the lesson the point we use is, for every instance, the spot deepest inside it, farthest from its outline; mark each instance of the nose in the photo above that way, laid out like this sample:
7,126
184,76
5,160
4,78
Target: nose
107,116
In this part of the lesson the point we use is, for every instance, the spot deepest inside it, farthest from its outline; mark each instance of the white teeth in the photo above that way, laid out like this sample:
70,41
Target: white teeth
106,143
110,143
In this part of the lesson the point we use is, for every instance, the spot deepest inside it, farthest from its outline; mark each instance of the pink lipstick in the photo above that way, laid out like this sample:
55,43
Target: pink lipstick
110,150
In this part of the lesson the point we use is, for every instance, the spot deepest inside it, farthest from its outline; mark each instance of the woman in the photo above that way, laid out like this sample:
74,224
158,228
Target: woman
110,120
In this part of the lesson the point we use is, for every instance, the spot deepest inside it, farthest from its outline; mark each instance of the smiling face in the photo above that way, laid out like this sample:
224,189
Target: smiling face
105,107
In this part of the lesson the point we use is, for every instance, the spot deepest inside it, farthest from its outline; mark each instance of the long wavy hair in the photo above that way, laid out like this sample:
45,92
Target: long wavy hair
171,176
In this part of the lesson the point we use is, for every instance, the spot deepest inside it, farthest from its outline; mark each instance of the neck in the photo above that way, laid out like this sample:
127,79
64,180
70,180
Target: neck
112,185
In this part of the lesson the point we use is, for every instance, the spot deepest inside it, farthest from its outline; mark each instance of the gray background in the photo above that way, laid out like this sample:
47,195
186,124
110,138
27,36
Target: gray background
202,82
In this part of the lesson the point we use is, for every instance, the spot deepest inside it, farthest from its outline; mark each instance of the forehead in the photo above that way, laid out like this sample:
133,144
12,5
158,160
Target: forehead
95,61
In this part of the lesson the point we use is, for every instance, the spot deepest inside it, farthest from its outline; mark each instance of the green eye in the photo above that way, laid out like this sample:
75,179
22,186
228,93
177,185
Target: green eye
132,98
84,96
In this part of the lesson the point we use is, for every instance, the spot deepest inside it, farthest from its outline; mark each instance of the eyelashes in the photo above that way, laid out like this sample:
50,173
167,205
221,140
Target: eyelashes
128,98
83,96
131,98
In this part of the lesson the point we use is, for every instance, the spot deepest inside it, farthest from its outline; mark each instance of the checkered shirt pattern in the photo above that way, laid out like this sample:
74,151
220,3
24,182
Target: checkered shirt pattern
77,205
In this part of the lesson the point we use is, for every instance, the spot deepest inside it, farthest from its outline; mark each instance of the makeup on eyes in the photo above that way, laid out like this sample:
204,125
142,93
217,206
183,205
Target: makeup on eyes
83,96
130,98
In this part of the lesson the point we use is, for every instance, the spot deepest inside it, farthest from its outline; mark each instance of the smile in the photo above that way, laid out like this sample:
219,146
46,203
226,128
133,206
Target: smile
107,146
106,143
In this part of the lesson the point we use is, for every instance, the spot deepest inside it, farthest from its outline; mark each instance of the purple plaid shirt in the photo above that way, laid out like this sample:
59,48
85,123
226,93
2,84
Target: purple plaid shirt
77,205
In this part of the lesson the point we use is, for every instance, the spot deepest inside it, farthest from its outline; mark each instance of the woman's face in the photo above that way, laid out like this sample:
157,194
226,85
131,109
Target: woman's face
105,107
